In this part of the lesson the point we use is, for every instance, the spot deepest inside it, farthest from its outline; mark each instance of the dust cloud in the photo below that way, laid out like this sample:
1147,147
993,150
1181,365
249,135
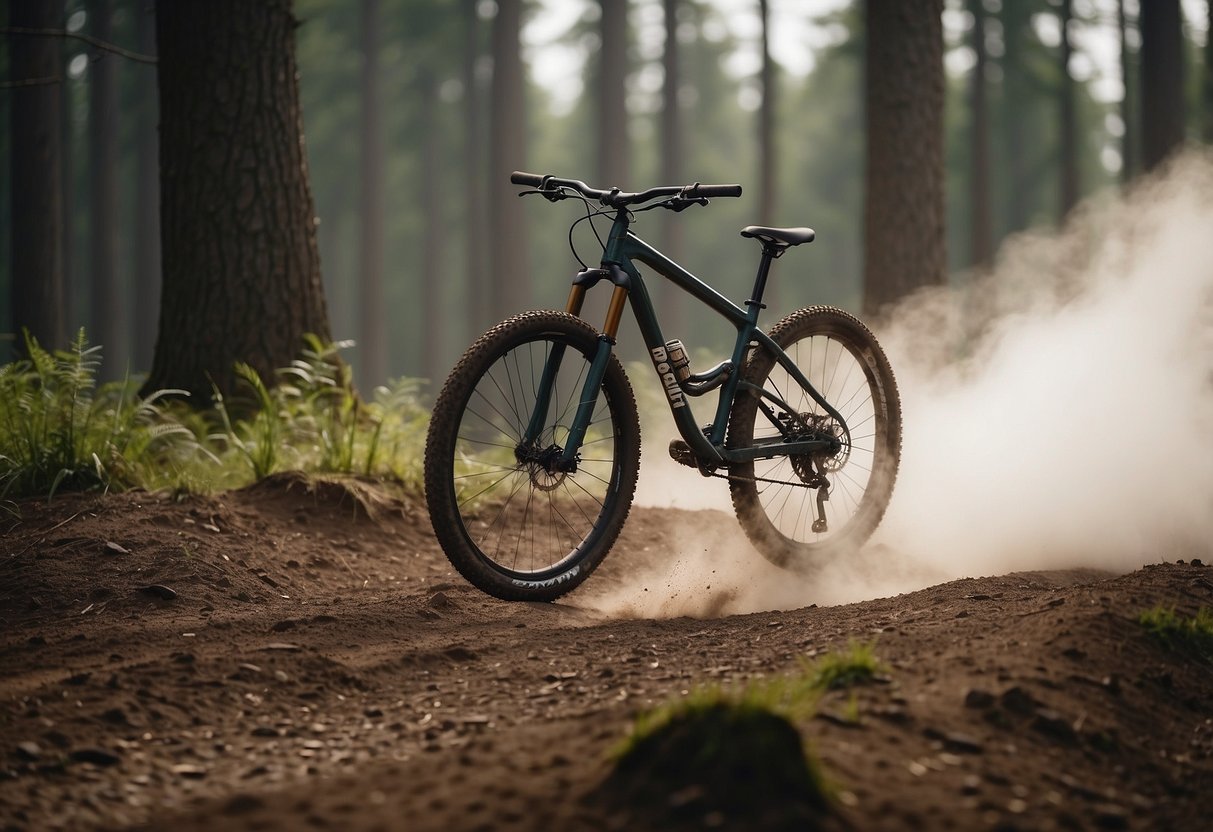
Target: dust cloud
1057,413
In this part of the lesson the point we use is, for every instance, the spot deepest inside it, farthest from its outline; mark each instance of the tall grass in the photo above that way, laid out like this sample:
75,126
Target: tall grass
59,430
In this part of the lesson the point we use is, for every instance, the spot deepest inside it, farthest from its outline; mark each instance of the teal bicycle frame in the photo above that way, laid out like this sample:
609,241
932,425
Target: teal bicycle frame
622,248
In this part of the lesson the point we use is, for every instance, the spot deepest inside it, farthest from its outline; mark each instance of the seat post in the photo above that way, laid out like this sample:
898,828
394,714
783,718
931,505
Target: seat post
769,252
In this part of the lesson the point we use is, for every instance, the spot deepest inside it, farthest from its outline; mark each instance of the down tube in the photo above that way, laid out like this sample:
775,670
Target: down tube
650,330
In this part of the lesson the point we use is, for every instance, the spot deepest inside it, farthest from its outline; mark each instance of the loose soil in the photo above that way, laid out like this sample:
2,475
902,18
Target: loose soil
300,655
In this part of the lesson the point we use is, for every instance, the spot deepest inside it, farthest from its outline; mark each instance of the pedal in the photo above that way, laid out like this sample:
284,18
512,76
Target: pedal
681,453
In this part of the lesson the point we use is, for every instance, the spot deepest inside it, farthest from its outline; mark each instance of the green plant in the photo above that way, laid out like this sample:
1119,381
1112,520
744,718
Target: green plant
59,430
1175,630
854,665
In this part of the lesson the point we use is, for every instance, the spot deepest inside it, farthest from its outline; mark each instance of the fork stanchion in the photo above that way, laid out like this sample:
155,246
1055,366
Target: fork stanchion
576,299
619,299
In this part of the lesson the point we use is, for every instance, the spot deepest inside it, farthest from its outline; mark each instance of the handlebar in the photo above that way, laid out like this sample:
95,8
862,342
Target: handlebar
619,199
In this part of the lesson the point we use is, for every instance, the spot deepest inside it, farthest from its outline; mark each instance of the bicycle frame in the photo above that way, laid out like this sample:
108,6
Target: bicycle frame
622,248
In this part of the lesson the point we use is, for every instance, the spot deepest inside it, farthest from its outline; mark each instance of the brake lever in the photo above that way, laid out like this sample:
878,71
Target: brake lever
553,195
680,203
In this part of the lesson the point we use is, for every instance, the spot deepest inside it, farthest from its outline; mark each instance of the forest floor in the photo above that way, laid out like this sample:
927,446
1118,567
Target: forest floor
274,658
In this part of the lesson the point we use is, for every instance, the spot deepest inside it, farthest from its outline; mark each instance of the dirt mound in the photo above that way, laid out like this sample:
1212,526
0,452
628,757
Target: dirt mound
319,664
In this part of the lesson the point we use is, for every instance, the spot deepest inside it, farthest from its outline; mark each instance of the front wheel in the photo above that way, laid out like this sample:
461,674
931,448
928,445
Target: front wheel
801,510
512,518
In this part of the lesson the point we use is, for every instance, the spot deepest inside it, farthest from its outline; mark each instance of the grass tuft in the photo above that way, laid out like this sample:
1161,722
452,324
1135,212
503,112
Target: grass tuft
1193,633
855,665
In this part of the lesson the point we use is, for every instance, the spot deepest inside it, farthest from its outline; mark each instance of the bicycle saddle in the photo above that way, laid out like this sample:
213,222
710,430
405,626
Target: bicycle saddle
784,236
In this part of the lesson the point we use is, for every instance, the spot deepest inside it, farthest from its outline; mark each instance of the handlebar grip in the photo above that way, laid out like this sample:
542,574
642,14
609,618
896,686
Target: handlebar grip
535,180
714,190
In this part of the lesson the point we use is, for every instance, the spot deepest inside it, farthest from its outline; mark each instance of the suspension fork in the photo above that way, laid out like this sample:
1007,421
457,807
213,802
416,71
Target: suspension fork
598,366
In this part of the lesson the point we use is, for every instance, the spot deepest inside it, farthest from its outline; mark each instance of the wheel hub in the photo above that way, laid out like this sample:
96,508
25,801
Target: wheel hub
546,466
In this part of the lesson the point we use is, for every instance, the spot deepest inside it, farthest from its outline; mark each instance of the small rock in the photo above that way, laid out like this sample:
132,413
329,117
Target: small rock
28,750
1019,701
1110,816
282,646
373,713
112,548
979,699
96,756
1055,725
160,591
189,770
240,804
281,676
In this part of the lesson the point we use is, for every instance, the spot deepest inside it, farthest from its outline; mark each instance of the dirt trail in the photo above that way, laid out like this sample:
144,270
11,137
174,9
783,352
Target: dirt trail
316,668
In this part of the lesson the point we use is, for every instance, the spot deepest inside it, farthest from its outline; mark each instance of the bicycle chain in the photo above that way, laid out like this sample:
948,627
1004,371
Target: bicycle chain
759,479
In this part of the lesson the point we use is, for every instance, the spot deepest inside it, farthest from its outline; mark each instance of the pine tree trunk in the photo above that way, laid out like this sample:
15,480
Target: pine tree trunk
1068,121
510,268
108,314
432,325
1162,81
36,277
670,300
476,289
372,334
904,245
612,101
766,124
1015,92
1206,129
1128,142
241,265
147,200
981,236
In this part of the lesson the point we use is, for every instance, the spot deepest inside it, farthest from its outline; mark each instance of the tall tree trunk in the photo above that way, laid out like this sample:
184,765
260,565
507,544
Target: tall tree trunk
1206,123
766,124
475,222
510,289
670,299
1128,78
36,276
904,245
108,314
147,198
612,100
1069,121
241,265
981,235
1162,80
1015,93
372,335
432,325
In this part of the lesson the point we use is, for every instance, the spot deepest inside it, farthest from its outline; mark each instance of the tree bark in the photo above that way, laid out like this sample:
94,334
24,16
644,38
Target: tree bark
904,245
612,130
1015,27
241,265
109,323
475,222
1128,78
1068,121
981,235
1206,129
147,199
670,299
1162,80
36,277
432,325
372,335
510,267
766,125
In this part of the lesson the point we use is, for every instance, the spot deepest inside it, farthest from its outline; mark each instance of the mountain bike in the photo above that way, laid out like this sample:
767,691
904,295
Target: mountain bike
533,449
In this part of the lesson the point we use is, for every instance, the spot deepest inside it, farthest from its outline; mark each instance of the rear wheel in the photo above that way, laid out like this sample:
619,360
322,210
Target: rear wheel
509,516
801,510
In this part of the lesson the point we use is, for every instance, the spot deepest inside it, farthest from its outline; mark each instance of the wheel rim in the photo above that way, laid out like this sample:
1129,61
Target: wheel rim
525,517
784,484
